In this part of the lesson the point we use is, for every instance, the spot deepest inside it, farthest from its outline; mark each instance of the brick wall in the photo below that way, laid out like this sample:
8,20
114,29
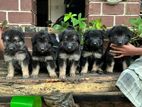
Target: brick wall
112,14
17,12
22,12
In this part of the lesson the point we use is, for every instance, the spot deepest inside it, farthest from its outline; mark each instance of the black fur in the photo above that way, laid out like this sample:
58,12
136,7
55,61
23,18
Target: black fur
91,58
118,35
69,52
44,53
16,53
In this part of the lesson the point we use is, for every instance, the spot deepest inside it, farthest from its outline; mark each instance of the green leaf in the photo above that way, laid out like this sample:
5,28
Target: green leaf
140,28
75,21
57,27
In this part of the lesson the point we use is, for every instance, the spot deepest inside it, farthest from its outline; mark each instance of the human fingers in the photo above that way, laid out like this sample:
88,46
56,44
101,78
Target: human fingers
116,52
119,56
115,47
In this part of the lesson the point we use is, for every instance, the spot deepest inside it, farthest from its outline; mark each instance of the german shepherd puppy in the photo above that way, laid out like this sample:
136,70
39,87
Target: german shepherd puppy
91,58
16,53
43,54
118,35
69,52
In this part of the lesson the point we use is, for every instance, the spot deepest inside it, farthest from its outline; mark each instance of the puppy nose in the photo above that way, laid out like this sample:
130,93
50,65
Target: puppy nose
95,43
120,43
11,48
42,49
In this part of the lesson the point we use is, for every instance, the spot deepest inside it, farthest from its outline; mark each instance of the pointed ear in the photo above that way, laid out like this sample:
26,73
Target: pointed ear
22,35
130,33
33,39
85,35
103,33
61,36
52,38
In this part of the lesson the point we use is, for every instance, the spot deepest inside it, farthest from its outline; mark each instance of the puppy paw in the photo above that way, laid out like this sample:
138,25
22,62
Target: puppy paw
72,74
83,73
9,77
34,76
100,71
25,76
63,77
53,76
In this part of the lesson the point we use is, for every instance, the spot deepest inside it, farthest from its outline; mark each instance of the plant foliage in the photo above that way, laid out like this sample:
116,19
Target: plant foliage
136,27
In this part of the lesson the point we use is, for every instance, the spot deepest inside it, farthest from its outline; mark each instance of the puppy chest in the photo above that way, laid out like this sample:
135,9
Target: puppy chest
19,57
94,54
42,58
64,56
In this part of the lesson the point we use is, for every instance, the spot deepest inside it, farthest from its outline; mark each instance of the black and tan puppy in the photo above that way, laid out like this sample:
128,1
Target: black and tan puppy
43,54
69,53
118,35
91,58
16,53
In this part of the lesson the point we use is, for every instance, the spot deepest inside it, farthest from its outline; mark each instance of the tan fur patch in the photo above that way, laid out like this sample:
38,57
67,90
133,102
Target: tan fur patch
25,70
124,65
62,71
35,71
73,70
85,68
75,57
51,72
10,74
95,67
110,68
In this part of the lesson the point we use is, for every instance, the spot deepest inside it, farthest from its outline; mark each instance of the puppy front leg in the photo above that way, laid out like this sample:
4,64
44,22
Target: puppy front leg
73,68
51,69
10,74
35,71
62,68
84,64
110,67
125,65
25,70
96,67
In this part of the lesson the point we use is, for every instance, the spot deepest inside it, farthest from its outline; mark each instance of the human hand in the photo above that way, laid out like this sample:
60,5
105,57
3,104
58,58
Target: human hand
121,51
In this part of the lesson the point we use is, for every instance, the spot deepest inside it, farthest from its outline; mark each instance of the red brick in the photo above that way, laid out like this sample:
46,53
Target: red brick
34,7
94,8
106,20
21,18
123,20
2,16
26,5
34,19
28,43
113,9
8,4
132,9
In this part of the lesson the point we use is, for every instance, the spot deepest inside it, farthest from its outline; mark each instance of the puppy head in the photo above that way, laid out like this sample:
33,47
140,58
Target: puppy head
69,40
13,40
94,38
42,42
119,35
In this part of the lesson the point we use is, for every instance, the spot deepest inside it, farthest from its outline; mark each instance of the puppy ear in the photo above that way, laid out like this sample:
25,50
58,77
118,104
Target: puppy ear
130,33
61,36
22,35
33,39
103,33
52,38
86,34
